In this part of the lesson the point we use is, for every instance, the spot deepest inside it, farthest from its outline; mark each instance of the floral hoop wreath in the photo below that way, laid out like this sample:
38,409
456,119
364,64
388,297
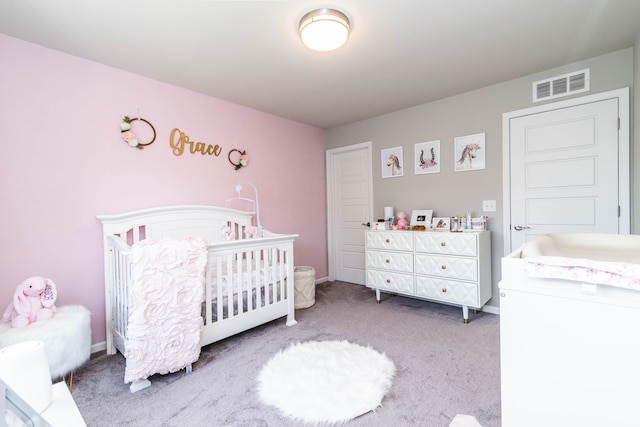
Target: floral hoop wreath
244,159
129,137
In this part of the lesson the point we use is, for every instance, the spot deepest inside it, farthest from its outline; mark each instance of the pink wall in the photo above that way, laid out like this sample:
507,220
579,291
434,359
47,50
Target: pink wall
63,162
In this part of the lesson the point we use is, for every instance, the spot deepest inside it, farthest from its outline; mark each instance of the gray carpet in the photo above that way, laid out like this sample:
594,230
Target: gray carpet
444,368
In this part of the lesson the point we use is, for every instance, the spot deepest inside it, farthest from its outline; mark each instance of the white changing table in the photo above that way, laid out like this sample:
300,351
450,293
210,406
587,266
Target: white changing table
63,411
569,352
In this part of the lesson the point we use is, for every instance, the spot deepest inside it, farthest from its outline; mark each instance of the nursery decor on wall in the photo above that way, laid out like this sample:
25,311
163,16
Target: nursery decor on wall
129,137
242,161
392,162
469,152
178,140
427,157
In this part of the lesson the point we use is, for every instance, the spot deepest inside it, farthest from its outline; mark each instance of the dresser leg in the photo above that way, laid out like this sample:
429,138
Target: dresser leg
465,314
378,296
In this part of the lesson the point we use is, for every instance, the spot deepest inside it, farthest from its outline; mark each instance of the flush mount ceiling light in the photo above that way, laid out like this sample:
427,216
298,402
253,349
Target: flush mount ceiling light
324,29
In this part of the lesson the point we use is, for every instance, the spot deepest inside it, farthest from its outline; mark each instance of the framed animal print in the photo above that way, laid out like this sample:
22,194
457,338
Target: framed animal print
427,157
469,152
392,162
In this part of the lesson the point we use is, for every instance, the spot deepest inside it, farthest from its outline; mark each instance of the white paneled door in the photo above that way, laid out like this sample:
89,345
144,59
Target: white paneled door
565,170
349,202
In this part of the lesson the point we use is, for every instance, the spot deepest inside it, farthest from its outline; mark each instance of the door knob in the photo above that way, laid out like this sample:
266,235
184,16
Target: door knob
368,224
520,227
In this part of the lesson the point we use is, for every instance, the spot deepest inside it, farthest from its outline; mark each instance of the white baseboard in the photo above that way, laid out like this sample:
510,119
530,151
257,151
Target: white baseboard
491,309
97,347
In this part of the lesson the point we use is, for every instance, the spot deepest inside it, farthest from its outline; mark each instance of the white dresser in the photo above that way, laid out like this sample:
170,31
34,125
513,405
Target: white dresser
448,267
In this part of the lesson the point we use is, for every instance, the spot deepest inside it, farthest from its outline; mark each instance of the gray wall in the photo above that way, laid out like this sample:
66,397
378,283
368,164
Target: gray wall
450,193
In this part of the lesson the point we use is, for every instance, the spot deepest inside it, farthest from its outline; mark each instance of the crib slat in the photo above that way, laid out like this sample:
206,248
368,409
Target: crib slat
251,303
136,234
272,279
236,289
277,272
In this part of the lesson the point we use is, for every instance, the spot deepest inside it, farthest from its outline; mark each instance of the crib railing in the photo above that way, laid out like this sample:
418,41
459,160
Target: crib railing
247,282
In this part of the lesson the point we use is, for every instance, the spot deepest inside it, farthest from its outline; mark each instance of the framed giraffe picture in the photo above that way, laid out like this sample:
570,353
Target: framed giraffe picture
392,162
469,152
427,157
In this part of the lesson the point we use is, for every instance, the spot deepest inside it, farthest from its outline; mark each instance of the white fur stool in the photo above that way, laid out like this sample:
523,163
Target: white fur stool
66,336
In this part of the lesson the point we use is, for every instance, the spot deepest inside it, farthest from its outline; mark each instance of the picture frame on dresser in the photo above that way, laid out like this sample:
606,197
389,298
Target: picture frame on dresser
421,217
441,223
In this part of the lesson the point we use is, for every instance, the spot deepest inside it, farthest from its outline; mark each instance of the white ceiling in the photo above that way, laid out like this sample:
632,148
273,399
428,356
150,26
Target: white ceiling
401,53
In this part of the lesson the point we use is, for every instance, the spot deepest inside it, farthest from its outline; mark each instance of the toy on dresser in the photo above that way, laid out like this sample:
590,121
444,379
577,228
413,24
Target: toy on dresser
401,221
33,300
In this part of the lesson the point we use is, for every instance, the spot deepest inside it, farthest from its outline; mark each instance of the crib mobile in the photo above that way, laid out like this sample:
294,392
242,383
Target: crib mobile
247,205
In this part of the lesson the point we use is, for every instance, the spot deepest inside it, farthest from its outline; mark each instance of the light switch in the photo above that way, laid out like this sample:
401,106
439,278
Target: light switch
488,205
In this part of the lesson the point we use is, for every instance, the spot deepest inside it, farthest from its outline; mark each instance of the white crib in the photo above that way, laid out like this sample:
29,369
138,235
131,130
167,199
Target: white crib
249,281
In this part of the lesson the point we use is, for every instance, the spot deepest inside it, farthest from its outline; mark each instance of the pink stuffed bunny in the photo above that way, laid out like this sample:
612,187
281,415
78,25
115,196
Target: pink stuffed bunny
33,301
402,222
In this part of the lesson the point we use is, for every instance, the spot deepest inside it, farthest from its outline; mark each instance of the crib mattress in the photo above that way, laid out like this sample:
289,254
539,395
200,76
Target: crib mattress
265,299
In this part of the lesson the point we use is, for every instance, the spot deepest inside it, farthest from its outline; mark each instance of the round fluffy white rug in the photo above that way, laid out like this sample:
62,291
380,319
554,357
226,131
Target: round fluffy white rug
326,382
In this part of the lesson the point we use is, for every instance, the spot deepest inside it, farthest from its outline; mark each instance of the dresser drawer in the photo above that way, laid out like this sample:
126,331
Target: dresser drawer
395,261
447,290
391,282
448,267
393,241
447,243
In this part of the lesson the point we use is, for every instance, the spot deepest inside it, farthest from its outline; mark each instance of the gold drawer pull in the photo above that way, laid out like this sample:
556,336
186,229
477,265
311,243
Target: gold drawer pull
444,290
444,267
387,261
387,240
388,280
443,243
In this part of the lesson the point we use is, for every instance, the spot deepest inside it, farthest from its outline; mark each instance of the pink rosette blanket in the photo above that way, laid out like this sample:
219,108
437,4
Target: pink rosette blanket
165,322
619,274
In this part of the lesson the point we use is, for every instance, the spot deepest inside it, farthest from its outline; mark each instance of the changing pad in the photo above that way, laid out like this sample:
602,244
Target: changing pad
620,274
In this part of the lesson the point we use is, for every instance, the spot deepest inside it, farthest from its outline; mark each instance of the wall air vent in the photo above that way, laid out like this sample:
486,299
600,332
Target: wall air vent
564,85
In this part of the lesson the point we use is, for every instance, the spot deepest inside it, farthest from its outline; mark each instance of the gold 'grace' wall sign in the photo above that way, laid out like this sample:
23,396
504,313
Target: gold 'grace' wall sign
179,140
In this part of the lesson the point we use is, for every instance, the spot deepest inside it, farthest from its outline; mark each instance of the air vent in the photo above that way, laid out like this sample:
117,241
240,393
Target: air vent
564,85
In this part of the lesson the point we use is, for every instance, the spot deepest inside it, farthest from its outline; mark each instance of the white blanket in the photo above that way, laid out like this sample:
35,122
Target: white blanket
165,324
